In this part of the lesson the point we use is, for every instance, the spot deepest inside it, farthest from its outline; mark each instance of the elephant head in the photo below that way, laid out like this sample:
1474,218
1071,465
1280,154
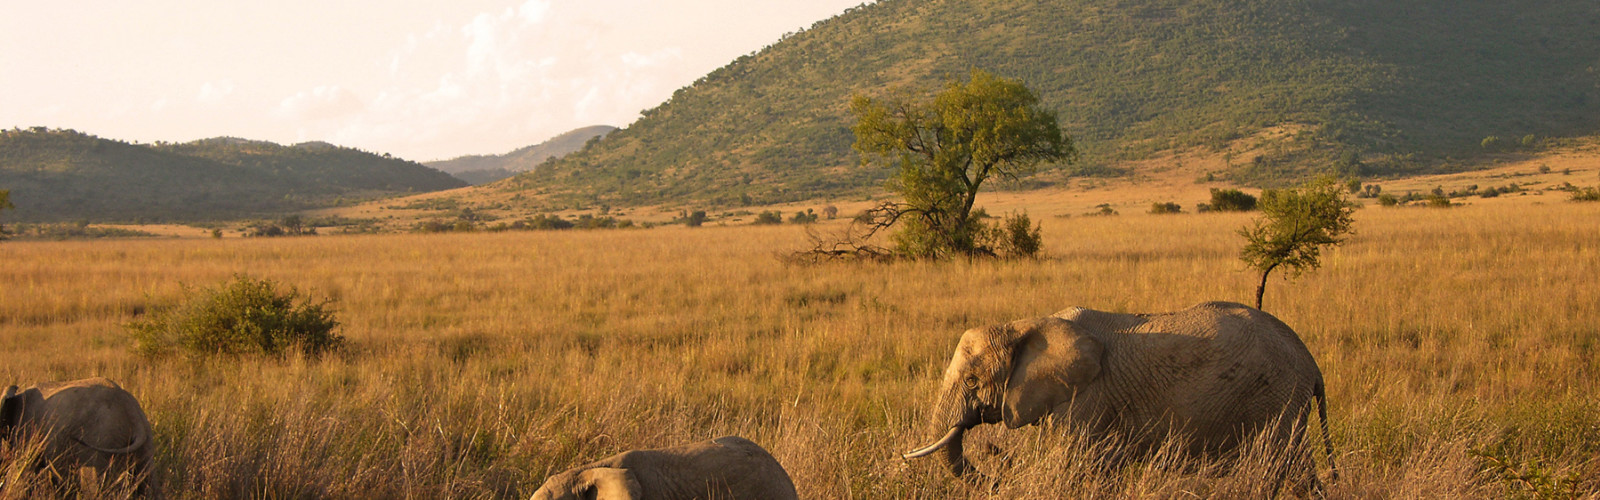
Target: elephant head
1013,373
599,483
10,410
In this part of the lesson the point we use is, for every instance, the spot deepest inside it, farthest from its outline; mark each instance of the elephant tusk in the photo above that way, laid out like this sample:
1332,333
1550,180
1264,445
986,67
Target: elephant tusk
954,434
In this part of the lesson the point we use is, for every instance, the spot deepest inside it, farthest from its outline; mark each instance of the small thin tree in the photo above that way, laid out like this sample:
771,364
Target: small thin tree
1295,225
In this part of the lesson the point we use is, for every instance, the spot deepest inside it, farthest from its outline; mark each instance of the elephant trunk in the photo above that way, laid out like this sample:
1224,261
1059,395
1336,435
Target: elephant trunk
953,456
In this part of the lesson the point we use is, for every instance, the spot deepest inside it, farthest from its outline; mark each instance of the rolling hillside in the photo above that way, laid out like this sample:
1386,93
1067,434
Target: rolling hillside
480,169
1366,87
57,175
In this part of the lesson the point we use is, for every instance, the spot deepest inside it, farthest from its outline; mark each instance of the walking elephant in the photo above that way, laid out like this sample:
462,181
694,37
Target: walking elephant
1217,374
729,467
90,423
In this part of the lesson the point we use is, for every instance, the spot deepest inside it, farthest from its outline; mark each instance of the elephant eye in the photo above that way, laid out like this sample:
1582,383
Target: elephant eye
971,381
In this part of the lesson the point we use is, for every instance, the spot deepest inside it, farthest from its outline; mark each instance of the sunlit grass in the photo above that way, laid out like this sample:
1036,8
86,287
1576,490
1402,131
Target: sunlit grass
477,364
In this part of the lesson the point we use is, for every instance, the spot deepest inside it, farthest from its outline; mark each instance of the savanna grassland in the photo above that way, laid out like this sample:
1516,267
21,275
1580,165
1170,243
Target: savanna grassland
479,363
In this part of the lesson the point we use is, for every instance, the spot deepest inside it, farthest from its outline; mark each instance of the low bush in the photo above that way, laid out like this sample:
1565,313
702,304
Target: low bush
1165,208
806,217
1232,200
1586,194
1018,237
1103,209
439,226
242,316
769,217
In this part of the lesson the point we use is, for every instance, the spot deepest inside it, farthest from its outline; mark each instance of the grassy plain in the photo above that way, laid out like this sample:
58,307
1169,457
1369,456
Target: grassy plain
480,363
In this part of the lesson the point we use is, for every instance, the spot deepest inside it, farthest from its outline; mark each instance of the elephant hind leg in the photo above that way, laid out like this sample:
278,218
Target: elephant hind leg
1298,464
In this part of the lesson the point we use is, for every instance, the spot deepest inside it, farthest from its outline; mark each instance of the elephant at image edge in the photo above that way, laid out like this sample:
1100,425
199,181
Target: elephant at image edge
91,423
728,467
1217,373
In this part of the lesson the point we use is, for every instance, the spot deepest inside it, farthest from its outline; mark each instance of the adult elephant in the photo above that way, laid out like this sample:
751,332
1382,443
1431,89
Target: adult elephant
729,467
1217,374
91,423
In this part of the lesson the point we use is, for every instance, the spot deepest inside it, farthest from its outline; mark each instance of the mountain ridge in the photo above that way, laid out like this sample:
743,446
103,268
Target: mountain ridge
58,175
480,169
1378,88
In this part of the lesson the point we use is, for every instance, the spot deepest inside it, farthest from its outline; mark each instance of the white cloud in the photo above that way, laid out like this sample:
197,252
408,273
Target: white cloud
512,76
659,58
321,103
482,36
215,92
534,11
581,109
481,76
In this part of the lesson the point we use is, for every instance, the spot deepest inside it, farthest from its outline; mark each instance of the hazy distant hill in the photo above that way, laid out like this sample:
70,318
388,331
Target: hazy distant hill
1367,84
480,169
58,175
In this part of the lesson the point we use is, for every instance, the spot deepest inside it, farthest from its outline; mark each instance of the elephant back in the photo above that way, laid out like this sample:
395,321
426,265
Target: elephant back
1208,370
728,466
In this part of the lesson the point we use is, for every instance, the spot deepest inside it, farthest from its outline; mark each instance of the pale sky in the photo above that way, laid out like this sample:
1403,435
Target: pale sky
421,79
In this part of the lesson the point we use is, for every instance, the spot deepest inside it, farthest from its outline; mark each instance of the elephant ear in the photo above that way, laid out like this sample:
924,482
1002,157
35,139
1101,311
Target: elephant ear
609,483
1052,359
10,408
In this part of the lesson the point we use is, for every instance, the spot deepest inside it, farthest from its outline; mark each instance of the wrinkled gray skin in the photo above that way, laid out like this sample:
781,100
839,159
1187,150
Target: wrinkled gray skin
90,423
1216,373
729,467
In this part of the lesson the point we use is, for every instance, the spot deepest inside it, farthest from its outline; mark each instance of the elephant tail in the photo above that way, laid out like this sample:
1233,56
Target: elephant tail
138,442
1327,442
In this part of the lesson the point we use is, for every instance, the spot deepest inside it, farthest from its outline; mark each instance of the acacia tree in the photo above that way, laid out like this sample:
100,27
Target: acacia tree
1295,225
945,148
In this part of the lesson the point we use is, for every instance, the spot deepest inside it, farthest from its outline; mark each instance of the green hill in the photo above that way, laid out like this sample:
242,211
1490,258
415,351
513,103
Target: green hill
480,169
1379,87
57,175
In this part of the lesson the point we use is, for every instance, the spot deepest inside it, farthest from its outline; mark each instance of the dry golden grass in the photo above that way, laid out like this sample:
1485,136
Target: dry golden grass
480,363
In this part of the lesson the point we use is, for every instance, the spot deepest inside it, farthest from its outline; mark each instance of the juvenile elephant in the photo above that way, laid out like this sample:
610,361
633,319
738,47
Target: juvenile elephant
90,423
729,467
1217,373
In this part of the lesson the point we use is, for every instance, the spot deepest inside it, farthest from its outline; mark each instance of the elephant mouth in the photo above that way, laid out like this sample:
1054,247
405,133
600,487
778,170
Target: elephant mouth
949,437
970,419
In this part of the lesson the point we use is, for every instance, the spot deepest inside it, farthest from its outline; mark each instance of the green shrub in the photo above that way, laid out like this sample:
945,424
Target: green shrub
1439,201
806,217
1388,200
1232,200
1586,194
769,217
542,223
434,226
242,316
1018,236
1103,209
695,219
1165,208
